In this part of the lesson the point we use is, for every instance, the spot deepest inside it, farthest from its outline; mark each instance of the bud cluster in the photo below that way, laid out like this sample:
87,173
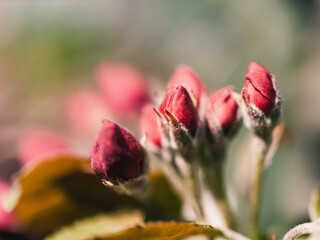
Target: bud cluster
186,122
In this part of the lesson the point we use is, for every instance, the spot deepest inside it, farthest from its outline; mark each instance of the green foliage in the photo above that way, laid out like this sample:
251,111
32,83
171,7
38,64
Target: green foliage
128,226
47,56
61,189
99,225
314,205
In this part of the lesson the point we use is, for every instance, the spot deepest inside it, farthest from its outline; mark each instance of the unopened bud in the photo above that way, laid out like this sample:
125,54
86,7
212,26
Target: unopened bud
149,125
36,144
84,109
223,113
258,88
261,99
116,155
123,88
178,102
186,77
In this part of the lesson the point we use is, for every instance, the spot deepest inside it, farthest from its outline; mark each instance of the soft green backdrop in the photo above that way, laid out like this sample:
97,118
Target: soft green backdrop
48,47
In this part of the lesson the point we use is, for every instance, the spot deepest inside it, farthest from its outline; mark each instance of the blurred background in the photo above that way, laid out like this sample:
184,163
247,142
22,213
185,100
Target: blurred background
49,48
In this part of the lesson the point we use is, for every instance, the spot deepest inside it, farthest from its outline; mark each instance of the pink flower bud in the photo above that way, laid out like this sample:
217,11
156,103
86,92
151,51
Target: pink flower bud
222,111
178,102
35,144
85,109
259,89
123,88
116,155
184,76
149,125
6,219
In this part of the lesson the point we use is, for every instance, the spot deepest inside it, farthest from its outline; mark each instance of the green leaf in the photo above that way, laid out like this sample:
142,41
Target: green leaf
59,190
164,231
98,225
314,205
35,177
122,226
35,198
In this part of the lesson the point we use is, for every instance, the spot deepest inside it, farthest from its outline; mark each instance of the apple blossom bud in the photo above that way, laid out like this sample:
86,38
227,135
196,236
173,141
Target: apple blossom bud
222,113
259,89
35,144
123,88
116,155
6,218
185,76
84,109
178,102
149,125
261,100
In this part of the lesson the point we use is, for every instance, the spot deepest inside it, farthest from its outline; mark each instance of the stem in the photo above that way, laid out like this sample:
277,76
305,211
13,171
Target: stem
183,188
213,212
214,169
302,229
277,134
221,194
256,192
231,235
193,182
212,185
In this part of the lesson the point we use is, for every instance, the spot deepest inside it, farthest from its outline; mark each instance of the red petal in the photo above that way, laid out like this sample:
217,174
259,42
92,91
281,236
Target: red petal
259,89
149,125
223,107
186,77
178,102
116,154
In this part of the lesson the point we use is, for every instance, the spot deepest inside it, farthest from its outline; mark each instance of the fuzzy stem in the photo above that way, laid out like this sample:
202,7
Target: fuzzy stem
302,229
256,192
213,186
222,196
213,211
183,188
194,184
218,190
231,235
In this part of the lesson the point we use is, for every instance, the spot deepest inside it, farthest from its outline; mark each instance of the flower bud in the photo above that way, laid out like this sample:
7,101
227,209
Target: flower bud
149,125
222,112
35,144
116,155
178,102
123,88
84,109
6,218
184,76
261,100
259,89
